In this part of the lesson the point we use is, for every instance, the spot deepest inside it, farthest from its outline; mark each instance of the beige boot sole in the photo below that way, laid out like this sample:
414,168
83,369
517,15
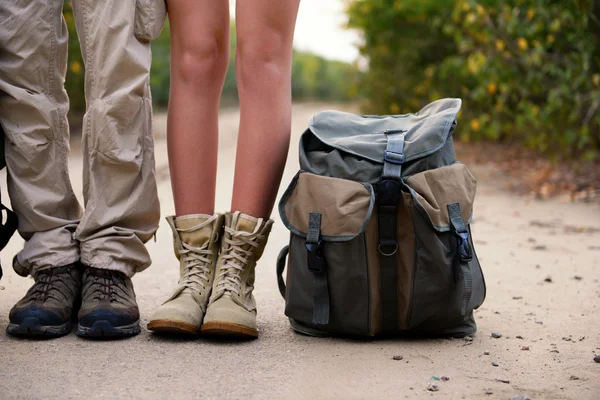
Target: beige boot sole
228,329
166,326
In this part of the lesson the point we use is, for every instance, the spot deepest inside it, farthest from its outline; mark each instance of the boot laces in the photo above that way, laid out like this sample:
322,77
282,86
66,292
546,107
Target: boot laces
197,261
106,285
236,258
48,285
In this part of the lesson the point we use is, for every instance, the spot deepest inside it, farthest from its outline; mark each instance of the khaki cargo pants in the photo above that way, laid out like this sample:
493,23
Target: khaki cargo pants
119,185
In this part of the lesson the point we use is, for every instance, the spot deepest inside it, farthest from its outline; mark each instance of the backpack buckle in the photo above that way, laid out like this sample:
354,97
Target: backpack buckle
393,157
316,261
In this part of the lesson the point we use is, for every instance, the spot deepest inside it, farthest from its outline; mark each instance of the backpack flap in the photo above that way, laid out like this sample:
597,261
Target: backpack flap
327,278
354,146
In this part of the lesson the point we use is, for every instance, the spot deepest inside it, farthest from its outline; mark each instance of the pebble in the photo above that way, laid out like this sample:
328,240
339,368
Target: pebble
503,380
548,279
517,298
521,397
445,378
573,378
519,337
495,364
578,277
468,339
398,358
525,348
432,387
554,351
597,358
566,339
540,247
487,353
488,392
496,335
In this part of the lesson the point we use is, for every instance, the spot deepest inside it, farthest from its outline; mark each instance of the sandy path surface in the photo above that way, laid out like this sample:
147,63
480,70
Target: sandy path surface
541,261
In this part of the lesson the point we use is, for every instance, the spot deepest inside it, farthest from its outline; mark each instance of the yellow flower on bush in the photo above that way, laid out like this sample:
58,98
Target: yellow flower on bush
523,45
480,9
500,45
491,88
536,44
394,108
398,5
550,38
466,6
75,67
530,14
596,79
471,18
475,125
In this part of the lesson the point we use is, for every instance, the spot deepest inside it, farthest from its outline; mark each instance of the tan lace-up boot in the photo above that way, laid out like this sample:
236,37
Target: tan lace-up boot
196,244
232,308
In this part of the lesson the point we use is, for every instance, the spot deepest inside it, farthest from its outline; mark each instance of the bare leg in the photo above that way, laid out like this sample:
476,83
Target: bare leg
265,31
199,59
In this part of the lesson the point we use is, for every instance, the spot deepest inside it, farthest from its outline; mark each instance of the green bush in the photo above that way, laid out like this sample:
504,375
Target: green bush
527,70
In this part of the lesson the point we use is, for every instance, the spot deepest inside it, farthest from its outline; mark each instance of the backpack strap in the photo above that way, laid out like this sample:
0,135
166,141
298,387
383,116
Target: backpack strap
317,265
280,268
8,228
389,191
464,253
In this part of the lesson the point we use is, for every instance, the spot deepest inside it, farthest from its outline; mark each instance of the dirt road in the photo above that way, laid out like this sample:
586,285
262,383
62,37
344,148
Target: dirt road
542,265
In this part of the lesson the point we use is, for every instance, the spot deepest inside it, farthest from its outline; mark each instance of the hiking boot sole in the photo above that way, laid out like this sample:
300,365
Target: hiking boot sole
228,329
32,328
103,329
175,327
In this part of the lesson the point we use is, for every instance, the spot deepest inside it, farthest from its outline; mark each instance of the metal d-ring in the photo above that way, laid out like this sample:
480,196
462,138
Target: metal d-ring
388,254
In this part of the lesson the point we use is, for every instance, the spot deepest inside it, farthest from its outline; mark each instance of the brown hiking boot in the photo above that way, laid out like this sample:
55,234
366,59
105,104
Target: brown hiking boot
232,308
49,305
108,306
196,243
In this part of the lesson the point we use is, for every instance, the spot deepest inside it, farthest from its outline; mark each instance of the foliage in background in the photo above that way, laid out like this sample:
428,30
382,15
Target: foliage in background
313,77
527,70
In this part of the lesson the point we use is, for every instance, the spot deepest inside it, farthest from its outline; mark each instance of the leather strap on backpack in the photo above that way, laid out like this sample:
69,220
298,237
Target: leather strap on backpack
389,191
464,253
317,265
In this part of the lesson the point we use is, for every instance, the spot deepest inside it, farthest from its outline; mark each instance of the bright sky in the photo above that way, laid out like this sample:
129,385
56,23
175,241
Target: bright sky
320,29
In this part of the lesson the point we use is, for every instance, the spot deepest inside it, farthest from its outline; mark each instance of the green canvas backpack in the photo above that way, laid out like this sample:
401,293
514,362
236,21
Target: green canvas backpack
379,217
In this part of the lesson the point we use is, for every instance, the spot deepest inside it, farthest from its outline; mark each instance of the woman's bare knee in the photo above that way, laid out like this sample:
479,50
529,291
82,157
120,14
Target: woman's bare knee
262,58
201,62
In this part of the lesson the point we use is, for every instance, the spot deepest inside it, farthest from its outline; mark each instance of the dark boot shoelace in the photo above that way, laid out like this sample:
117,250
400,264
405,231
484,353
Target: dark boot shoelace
105,285
53,283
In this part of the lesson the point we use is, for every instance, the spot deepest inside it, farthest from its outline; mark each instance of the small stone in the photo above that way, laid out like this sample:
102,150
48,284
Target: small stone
539,322
554,351
548,279
468,339
445,378
488,392
521,397
526,348
503,380
495,364
573,378
432,387
517,297
519,337
581,338
540,247
398,358
578,277
538,266
566,339
597,358
486,353
496,335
